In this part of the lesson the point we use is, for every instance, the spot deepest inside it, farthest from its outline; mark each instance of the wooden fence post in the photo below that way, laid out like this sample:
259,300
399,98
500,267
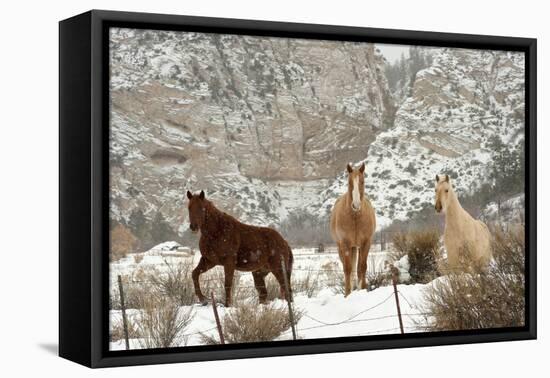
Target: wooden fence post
123,308
218,323
394,274
288,295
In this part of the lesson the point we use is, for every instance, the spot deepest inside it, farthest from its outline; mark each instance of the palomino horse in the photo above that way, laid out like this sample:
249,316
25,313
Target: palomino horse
352,226
236,246
463,234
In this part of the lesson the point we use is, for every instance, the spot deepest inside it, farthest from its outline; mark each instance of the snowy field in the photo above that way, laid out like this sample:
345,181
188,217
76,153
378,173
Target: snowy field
326,313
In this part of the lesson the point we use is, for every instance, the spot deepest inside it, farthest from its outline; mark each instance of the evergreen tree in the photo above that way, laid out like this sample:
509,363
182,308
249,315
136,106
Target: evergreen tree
402,73
139,226
161,230
507,169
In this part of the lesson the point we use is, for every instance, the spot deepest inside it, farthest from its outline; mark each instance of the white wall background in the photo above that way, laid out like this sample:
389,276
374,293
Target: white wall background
29,185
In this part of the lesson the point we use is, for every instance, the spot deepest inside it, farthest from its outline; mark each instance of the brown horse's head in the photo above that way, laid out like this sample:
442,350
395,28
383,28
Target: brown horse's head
443,192
197,210
356,186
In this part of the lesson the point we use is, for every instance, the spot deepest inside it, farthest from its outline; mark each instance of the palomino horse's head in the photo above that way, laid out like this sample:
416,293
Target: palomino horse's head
197,210
356,186
443,192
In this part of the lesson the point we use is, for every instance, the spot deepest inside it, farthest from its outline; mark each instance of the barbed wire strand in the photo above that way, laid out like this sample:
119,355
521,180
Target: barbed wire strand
352,317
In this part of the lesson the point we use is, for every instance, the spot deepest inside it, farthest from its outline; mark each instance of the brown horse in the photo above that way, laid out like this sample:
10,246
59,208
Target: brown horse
236,246
352,226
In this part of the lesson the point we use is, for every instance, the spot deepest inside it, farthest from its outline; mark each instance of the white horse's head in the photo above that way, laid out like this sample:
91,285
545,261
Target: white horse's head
356,186
443,192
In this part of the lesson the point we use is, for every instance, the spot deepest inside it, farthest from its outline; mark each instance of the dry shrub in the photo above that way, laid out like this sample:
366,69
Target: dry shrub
400,246
422,247
509,248
241,293
122,242
138,257
161,322
176,283
133,294
214,282
334,277
307,283
334,274
248,323
491,297
377,279
117,331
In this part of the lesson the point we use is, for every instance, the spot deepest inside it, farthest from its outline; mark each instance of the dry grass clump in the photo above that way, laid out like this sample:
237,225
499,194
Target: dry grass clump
491,297
422,247
116,331
160,323
248,323
175,283
138,257
307,283
214,281
377,279
334,277
400,246
133,294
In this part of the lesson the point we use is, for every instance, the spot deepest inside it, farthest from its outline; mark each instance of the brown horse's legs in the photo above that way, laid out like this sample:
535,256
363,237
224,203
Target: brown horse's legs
229,273
362,264
259,282
279,276
203,266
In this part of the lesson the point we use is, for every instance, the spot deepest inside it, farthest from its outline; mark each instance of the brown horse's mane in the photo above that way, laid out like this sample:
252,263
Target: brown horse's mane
216,220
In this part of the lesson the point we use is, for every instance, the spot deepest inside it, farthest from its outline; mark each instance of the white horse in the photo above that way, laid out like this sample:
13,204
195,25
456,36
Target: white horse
462,232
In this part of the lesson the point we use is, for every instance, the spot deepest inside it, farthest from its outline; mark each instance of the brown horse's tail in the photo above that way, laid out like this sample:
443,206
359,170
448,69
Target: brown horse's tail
289,271
290,261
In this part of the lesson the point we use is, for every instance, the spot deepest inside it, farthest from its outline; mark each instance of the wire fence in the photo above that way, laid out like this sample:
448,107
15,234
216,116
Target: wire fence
319,323
332,279
338,273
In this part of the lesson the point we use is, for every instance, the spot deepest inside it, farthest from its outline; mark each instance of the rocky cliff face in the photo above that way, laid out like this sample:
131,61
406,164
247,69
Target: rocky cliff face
261,124
266,125
456,105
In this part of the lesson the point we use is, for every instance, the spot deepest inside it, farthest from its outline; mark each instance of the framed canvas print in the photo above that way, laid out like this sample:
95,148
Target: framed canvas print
234,188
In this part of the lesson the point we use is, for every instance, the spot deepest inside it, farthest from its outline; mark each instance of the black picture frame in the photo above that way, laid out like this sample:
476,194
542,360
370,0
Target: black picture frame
83,182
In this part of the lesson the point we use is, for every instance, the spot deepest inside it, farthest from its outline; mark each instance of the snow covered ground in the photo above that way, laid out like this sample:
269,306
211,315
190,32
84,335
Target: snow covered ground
324,314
